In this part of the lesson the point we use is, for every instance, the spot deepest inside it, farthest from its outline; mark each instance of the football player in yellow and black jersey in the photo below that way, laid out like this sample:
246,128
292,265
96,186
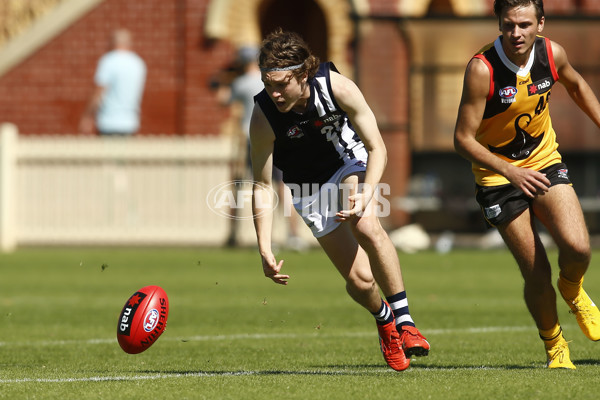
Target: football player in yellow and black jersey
504,129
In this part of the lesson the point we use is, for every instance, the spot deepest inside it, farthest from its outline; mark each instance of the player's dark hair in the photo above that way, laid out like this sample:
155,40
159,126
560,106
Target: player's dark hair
281,49
501,5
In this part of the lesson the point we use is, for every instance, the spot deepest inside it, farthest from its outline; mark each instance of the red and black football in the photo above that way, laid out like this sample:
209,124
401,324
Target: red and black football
143,319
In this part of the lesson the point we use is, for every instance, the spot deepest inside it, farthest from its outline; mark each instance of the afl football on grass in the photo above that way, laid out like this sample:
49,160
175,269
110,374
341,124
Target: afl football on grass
143,319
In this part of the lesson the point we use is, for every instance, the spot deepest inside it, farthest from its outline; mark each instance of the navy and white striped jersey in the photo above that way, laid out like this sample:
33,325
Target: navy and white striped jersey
310,147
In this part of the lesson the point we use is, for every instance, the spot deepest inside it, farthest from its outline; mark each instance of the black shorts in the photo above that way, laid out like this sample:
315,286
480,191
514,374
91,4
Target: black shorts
504,202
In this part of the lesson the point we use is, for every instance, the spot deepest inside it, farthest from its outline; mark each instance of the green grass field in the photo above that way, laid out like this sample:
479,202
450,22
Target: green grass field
233,334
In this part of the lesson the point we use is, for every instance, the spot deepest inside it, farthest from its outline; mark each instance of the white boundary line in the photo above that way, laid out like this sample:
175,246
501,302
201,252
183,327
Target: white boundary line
179,375
256,336
150,377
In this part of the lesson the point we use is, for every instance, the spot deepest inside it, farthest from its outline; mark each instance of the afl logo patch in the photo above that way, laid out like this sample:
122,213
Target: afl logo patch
151,320
295,132
508,92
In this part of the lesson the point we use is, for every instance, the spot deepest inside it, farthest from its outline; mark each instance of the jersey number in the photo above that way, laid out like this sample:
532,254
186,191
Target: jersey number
331,132
541,105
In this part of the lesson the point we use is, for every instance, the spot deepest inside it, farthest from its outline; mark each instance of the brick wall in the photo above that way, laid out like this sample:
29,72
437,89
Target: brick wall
47,93
383,76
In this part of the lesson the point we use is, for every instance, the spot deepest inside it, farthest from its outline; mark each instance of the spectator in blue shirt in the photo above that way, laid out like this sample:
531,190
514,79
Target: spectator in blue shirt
114,107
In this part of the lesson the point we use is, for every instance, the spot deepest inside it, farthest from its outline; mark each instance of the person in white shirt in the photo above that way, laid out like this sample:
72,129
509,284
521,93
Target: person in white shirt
114,107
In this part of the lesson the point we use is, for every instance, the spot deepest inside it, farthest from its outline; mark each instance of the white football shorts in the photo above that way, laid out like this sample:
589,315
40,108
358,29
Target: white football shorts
318,209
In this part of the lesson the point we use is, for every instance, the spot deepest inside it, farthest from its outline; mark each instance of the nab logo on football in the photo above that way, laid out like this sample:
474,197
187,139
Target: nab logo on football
129,311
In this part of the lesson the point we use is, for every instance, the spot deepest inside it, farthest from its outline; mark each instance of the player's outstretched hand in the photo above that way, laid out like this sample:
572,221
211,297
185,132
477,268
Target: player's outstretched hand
272,270
356,207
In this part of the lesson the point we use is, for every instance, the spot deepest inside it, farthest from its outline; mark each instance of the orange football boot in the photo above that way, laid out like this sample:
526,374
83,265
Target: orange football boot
391,347
413,343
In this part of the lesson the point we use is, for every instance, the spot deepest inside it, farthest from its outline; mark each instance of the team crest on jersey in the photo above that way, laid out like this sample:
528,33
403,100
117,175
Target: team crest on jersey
539,87
295,132
507,94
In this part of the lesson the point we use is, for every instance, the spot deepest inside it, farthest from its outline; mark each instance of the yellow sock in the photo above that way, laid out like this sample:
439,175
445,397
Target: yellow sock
568,289
551,336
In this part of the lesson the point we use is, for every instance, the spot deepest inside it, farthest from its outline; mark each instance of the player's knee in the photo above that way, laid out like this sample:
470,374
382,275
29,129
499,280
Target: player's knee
360,285
577,253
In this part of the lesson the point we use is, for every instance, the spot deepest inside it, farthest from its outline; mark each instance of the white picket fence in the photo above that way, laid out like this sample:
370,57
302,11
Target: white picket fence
72,190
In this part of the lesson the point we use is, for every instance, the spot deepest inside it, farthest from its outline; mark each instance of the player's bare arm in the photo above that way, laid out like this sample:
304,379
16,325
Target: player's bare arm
470,113
579,90
363,120
261,140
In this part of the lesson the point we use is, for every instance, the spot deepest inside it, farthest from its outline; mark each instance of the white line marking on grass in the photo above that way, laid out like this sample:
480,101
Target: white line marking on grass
126,378
252,336
148,377
191,375
262,336
57,342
